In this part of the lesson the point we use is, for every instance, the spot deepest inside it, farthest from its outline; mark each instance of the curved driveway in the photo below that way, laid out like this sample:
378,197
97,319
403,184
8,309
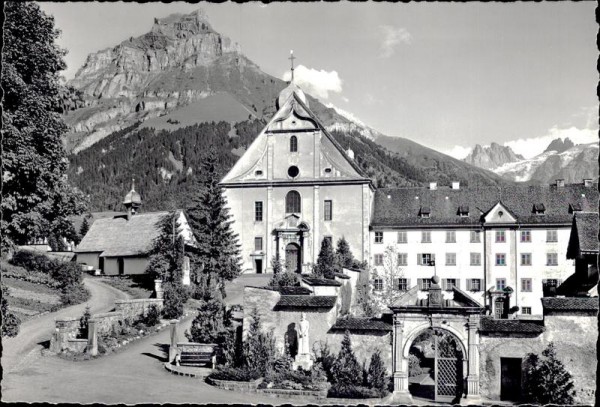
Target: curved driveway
20,349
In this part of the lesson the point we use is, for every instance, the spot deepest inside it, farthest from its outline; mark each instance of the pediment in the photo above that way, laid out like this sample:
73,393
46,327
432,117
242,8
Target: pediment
292,116
499,214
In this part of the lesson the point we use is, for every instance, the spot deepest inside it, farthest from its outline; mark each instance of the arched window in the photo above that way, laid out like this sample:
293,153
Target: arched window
292,202
293,144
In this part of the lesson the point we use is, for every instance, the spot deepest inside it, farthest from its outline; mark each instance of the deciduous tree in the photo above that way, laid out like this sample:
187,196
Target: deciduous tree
36,196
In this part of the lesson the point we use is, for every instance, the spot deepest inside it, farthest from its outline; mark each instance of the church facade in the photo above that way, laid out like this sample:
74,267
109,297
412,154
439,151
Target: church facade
293,187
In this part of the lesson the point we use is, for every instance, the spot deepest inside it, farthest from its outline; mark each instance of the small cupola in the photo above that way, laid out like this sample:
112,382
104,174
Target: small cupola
132,201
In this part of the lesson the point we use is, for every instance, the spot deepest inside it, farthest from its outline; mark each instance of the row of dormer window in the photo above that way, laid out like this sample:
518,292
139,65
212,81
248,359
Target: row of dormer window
500,236
463,210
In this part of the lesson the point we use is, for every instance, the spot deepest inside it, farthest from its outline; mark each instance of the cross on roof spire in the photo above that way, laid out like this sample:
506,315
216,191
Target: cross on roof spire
291,58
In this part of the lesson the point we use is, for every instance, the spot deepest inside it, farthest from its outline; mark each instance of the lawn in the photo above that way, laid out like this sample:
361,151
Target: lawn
135,286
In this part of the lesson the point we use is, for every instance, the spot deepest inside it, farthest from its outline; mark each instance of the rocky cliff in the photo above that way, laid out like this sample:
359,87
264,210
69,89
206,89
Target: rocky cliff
491,157
560,160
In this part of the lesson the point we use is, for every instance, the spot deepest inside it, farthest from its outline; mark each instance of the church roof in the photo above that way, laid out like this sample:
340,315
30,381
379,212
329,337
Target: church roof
400,207
330,149
584,234
117,236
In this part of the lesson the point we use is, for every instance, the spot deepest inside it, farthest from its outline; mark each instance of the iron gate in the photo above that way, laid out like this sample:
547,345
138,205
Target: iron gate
448,367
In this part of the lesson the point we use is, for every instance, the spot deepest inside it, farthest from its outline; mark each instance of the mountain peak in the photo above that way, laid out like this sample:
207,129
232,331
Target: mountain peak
179,25
491,157
559,145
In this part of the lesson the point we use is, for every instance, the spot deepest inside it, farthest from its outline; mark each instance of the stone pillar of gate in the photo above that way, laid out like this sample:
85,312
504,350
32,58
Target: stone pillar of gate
401,393
473,367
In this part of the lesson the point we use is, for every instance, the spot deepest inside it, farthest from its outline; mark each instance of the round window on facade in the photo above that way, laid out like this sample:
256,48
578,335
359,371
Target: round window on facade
293,171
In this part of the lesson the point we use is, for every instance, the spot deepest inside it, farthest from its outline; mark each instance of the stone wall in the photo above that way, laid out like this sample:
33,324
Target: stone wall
364,344
134,308
106,321
574,339
65,330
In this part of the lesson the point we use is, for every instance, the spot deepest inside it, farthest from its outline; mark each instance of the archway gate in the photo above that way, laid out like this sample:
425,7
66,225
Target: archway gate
454,316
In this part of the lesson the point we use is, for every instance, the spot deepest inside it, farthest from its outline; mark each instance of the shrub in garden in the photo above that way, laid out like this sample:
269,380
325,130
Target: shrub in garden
346,369
377,375
175,296
547,381
259,347
326,359
414,365
326,261
83,323
10,322
72,295
285,279
152,316
243,374
209,324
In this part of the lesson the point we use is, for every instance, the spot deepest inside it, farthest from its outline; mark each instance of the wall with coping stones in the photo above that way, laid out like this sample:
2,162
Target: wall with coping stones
105,321
574,339
134,308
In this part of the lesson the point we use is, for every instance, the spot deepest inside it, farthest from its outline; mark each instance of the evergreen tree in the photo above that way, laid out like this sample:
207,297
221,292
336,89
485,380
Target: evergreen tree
276,265
259,348
166,258
346,370
85,226
209,325
343,255
325,262
10,322
377,376
37,198
218,249
547,381
282,278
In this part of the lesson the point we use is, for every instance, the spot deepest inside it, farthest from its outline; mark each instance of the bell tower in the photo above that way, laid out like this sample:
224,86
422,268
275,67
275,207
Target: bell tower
132,201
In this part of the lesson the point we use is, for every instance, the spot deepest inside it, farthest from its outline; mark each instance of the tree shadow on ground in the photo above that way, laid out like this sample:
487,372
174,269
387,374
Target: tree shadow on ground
163,348
45,344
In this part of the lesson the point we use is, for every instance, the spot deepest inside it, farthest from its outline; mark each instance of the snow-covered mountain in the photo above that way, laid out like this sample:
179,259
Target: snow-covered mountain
492,157
572,165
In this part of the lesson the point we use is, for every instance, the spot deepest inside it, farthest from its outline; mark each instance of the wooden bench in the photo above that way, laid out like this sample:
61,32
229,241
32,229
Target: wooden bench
196,354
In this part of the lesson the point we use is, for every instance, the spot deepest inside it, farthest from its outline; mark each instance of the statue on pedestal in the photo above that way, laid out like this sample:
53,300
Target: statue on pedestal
303,358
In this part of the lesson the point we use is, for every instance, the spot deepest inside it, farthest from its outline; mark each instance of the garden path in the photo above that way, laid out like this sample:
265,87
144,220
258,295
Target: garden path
27,344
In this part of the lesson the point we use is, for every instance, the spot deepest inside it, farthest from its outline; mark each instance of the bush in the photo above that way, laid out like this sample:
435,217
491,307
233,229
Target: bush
353,392
10,322
285,279
83,323
209,324
74,295
243,374
314,379
175,296
152,316
326,359
414,365
346,370
377,377
259,347
547,381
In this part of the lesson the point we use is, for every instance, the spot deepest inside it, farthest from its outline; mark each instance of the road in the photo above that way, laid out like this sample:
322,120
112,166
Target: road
39,329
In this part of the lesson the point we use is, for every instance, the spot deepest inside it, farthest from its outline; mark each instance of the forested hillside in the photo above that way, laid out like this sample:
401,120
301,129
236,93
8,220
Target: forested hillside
164,163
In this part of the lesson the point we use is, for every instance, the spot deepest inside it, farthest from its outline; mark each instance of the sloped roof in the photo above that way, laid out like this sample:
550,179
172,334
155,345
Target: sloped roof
361,324
492,325
119,237
285,290
400,207
307,301
318,281
570,304
587,231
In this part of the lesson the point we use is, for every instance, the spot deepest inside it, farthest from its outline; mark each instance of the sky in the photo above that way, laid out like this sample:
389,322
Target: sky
447,76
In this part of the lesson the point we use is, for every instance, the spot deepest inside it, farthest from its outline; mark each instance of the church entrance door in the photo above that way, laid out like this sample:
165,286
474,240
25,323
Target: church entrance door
292,258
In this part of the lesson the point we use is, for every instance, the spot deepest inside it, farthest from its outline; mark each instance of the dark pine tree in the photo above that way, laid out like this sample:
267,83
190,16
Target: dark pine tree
377,377
85,226
218,249
346,370
209,325
166,257
36,197
343,255
326,260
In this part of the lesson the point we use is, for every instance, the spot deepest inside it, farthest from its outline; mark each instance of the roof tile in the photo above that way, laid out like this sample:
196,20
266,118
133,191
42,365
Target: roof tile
492,325
307,301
